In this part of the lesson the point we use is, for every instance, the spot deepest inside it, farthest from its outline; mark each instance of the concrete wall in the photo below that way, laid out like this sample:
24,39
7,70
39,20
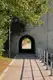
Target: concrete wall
15,42
39,34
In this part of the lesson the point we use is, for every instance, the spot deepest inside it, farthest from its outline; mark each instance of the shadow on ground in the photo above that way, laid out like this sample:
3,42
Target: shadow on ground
26,56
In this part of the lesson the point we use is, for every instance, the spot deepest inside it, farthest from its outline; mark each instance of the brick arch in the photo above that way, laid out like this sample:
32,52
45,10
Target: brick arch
32,50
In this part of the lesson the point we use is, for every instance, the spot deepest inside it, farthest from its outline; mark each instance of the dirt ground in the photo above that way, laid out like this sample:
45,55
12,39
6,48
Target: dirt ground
4,63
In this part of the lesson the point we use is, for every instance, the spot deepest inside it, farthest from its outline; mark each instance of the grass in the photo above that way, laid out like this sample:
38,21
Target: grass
4,63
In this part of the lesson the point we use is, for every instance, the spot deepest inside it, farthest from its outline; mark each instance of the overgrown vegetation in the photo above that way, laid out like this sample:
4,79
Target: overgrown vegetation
29,11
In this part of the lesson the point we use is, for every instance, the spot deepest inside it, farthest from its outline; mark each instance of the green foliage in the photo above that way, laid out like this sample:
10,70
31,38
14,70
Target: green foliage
4,24
29,11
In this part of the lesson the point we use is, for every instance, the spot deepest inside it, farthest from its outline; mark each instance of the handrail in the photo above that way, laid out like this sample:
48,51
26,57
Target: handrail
44,55
50,60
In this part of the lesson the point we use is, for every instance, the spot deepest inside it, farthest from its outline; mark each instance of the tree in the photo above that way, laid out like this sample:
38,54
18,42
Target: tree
4,24
28,11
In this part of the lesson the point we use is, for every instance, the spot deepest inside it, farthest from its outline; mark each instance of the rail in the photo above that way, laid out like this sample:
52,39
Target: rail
47,59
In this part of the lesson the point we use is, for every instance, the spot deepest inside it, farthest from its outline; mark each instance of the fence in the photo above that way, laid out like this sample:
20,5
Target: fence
47,59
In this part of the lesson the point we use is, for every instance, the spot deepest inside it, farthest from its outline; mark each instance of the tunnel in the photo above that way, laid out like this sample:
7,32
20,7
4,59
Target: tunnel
27,44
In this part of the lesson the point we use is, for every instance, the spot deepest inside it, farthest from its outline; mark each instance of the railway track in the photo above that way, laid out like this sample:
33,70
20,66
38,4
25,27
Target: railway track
22,70
31,67
39,70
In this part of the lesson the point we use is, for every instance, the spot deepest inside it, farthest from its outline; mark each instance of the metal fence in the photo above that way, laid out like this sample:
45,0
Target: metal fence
47,59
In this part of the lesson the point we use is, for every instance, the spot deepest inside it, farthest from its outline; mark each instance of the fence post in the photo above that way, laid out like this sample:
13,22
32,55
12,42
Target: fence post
40,54
9,42
44,57
51,66
51,69
47,60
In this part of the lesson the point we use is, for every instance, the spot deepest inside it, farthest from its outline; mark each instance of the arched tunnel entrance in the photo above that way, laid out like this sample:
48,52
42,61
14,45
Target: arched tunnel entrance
27,44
